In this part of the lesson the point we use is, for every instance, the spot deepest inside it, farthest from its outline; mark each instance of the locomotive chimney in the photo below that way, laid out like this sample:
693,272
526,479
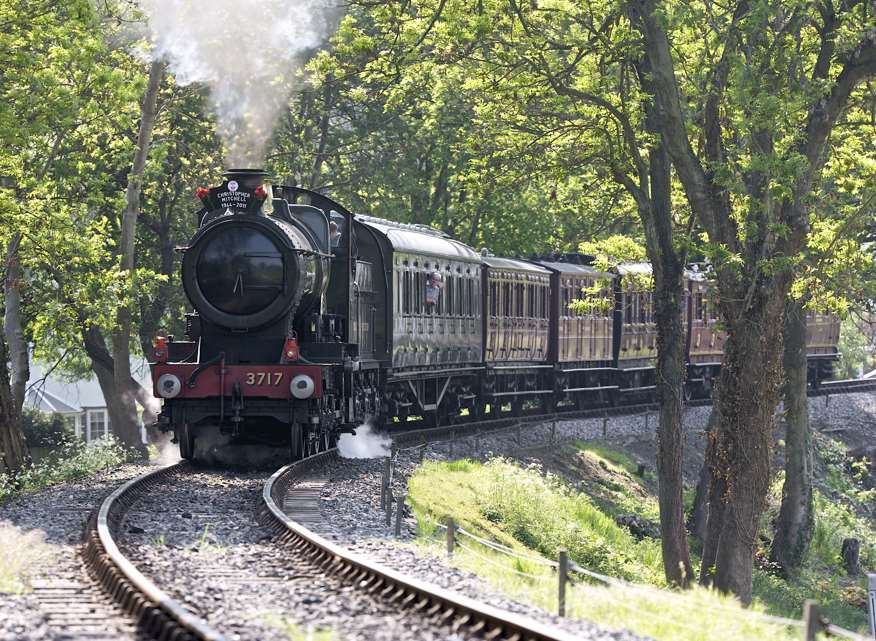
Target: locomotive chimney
246,178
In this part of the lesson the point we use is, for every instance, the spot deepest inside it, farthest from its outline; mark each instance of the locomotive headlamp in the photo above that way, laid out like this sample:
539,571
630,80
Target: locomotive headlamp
260,192
302,386
201,192
290,350
168,386
159,349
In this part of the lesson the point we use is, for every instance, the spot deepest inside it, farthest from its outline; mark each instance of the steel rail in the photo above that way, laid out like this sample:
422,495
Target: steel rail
444,606
162,617
157,614
438,604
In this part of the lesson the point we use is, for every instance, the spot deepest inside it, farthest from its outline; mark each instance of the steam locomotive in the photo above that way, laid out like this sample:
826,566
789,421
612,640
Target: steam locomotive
310,321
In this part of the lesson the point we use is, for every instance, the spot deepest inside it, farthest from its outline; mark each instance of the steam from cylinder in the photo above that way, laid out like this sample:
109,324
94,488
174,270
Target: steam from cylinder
250,53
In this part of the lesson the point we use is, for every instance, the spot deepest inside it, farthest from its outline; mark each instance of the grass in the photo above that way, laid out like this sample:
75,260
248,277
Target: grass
294,632
20,553
521,508
611,479
537,514
208,543
841,508
71,460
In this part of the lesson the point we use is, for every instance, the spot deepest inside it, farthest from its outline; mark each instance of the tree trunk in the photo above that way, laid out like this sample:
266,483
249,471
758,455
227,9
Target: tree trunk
670,437
699,515
794,526
120,397
19,358
669,304
716,487
125,423
740,458
13,448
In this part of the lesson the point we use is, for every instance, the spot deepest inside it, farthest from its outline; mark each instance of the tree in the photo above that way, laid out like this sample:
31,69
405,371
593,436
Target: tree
836,275
121,398
408,140
515,98
763,133
70,124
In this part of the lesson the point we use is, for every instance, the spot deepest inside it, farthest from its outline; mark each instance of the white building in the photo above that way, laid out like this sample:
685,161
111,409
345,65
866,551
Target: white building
81,400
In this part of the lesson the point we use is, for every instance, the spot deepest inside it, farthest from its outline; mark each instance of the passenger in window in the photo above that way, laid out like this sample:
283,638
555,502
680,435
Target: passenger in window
433,290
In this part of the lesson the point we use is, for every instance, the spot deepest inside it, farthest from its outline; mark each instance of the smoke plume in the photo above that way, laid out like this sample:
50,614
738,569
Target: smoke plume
365,443
250,54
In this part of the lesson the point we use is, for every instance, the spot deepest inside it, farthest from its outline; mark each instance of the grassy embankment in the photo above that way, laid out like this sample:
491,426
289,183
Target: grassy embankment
539,514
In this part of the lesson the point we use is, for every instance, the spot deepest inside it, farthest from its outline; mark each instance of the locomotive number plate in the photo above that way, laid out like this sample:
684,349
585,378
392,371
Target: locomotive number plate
263,378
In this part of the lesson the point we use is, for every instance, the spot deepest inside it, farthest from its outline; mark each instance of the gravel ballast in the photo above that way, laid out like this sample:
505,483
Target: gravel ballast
64,602
196,535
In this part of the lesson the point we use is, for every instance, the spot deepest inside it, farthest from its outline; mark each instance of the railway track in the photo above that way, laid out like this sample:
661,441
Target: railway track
160,616
155,612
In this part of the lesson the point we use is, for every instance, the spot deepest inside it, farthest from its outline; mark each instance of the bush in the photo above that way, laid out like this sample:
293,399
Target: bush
45,430
71,459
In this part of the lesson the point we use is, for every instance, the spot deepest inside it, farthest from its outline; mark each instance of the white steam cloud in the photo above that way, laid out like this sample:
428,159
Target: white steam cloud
168,452
249,53
365,443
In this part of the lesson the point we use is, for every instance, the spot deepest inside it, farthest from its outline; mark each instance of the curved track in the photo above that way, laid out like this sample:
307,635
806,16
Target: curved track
162,617
156,613
462,614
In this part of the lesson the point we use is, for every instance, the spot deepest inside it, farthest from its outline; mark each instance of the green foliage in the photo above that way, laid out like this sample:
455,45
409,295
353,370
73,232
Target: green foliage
521,508
609,477
841,507
70,460
45,430
613,251
609,254
70,99
856,350
537,512
427,135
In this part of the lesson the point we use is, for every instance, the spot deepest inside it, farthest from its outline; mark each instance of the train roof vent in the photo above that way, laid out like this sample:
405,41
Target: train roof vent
571,258
423,229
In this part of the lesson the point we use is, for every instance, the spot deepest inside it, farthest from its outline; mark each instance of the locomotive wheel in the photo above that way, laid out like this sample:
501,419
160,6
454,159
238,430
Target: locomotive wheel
186,442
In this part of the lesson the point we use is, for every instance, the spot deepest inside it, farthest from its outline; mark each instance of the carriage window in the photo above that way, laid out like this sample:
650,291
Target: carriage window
506,299
628,308
494,307
698,306
451,288
458,296
471,297
518,300
713,311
